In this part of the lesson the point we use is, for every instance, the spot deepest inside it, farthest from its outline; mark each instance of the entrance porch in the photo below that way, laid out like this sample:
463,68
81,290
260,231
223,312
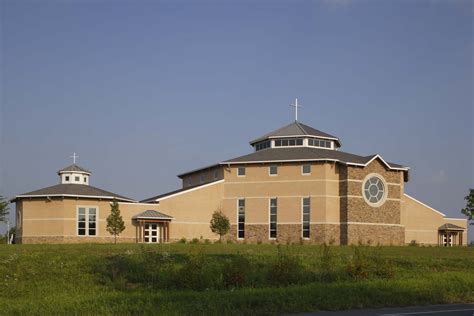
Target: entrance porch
450,235
152,227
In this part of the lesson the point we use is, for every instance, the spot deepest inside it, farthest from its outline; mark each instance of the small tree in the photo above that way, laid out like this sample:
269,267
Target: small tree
115,223
220,224
3,209
469,210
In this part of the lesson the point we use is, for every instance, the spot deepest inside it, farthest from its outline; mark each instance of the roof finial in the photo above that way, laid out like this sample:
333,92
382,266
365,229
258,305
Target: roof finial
74,156
296,106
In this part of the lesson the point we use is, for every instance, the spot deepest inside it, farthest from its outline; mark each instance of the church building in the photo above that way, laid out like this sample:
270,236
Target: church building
295,186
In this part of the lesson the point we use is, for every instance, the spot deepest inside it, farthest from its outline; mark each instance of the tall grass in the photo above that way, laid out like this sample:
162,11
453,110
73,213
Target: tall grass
227,278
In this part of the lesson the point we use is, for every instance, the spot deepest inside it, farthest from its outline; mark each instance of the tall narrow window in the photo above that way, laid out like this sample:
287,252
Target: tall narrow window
81,221
273,217
216,174
306,216
87,221
92,221
241,219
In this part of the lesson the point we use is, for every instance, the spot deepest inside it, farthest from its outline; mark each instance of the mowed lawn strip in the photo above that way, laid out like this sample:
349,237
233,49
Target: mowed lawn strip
133,279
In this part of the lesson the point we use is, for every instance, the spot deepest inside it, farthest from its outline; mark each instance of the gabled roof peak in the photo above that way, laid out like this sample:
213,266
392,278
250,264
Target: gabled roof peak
297,128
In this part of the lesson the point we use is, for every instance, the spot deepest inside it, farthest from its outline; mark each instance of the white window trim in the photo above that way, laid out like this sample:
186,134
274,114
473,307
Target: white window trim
87,207
269,218
302,222
302,170
241,175
238,209
269,171
385,193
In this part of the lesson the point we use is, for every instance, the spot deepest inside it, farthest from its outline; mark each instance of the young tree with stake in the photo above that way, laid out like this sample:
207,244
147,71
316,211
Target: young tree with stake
115,223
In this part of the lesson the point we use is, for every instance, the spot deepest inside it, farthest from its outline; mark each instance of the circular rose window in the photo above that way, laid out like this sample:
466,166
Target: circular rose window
374,190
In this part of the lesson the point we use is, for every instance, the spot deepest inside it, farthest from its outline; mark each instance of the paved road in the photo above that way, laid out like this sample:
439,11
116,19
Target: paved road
435,310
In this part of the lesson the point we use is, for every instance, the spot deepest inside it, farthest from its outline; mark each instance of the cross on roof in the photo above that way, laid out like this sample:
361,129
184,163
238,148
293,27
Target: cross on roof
296,106
74,156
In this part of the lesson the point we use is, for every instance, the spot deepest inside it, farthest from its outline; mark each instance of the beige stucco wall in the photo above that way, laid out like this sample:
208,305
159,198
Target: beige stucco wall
192,211
422,222
55,220
289,186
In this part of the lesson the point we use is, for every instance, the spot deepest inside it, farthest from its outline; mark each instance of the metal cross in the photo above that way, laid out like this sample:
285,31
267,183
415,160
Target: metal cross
74,156
296,106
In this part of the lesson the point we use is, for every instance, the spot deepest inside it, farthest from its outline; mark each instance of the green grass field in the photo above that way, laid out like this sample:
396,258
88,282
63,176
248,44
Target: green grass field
183,279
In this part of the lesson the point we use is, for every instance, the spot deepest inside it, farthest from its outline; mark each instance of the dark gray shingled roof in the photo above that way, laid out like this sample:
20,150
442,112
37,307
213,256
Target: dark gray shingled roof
450,227
74,167
152,214
154,198
296,128
303,153
74,190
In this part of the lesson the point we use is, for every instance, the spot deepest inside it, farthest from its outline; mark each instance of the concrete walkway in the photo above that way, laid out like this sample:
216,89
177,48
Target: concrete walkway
436,310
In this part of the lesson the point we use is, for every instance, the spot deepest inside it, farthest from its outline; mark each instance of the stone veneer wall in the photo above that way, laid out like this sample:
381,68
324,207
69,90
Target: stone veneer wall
288,233
354,209
374,234
72,240
325,234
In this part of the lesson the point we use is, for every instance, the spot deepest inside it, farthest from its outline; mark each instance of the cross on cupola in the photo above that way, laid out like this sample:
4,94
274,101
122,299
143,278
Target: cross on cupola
296,106
74,174
74,156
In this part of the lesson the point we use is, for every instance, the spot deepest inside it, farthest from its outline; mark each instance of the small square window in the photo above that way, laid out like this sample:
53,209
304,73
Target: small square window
66,178
306,169
241,171
299,142
273,170
77,179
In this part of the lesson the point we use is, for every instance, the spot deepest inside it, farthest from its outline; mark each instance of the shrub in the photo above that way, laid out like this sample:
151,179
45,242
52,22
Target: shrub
198,273
327,264
235,271
358,264
182,240
286,269
195,241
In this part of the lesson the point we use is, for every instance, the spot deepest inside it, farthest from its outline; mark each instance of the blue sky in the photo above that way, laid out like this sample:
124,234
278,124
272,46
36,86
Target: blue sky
145,90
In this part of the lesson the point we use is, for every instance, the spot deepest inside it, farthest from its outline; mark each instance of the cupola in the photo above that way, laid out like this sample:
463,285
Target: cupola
74,174
296,134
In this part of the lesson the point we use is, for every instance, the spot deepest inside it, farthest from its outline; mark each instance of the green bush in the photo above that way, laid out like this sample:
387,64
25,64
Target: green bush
198,273
327,264
286,269
235,271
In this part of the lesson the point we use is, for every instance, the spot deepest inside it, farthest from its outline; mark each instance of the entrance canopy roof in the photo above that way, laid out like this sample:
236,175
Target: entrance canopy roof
449,226
151,214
